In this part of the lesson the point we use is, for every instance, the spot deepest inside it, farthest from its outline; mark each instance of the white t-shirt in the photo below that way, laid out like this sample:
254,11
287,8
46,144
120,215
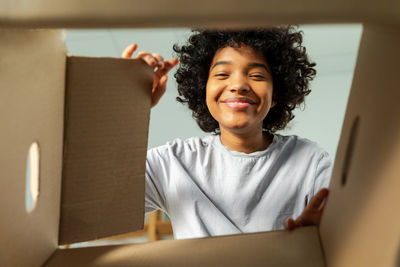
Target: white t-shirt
208,190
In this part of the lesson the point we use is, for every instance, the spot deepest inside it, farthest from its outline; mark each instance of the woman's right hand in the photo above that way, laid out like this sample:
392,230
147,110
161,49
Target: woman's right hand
160,75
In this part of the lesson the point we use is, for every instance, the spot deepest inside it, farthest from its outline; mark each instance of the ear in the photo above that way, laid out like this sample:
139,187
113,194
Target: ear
274,95
273,102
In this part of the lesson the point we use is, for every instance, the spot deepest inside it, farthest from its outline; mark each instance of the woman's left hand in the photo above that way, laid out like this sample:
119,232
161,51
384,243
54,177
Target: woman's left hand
311,214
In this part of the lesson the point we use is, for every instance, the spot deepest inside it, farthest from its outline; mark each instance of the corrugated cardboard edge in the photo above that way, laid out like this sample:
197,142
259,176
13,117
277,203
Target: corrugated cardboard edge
105,142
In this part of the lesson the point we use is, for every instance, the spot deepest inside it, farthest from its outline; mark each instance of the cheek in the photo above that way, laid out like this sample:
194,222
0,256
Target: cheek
210,101
212,94
266,97
208,96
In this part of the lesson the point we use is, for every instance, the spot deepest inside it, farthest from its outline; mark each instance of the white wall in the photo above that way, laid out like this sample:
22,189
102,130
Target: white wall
332,47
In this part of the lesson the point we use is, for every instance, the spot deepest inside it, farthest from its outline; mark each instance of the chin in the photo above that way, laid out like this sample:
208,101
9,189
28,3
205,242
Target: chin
237,127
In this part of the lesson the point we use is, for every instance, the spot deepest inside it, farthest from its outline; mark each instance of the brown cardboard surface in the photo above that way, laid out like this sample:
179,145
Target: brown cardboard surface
106,124
300,248
361,224
160,13
32,70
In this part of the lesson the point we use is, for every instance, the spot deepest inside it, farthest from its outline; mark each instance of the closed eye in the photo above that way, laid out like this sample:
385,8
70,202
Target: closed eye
258,77
221,75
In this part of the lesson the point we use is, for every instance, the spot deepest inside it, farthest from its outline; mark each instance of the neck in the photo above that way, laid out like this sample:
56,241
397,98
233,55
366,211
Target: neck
247,142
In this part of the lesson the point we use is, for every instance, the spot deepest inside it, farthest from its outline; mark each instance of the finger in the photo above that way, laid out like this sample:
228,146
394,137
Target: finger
313,212
148,58
159,90
318,199
301,221
289,224
286,224
129,50
160,60
169,64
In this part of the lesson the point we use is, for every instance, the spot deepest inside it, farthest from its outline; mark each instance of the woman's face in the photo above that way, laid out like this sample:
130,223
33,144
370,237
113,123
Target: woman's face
239,89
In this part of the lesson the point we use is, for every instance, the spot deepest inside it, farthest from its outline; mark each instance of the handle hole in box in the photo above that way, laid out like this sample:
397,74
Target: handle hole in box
32,177
350,149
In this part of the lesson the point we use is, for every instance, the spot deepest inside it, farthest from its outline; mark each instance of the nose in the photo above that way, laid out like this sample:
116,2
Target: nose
239,84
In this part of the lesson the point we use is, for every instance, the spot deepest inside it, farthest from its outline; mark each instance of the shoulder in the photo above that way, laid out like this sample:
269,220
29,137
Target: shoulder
302,146
180,146
310,157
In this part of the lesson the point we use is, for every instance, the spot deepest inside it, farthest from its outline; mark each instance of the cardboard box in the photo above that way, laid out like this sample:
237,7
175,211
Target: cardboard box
92,139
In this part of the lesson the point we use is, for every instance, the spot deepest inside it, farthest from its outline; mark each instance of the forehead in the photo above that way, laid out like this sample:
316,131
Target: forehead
244,53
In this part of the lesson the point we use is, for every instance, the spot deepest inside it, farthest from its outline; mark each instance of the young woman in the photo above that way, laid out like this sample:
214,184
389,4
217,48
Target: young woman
242,87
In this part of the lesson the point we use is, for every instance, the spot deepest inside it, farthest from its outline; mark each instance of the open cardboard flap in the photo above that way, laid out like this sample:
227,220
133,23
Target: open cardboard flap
98,144
107,112
300,248
32,75
361,222
360,226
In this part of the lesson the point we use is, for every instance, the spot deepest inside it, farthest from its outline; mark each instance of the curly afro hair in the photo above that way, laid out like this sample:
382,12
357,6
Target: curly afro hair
281,46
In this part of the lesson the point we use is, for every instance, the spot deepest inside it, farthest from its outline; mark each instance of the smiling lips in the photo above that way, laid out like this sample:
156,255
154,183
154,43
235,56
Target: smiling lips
238,103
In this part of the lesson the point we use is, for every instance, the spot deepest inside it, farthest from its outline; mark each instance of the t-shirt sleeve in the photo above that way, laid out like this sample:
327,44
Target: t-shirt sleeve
323,173
154,191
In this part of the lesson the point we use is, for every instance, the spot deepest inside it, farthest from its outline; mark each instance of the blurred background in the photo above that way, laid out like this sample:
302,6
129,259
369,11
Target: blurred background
333,47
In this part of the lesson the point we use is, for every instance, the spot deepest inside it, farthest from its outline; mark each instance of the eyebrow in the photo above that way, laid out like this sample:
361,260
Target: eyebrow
253,64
